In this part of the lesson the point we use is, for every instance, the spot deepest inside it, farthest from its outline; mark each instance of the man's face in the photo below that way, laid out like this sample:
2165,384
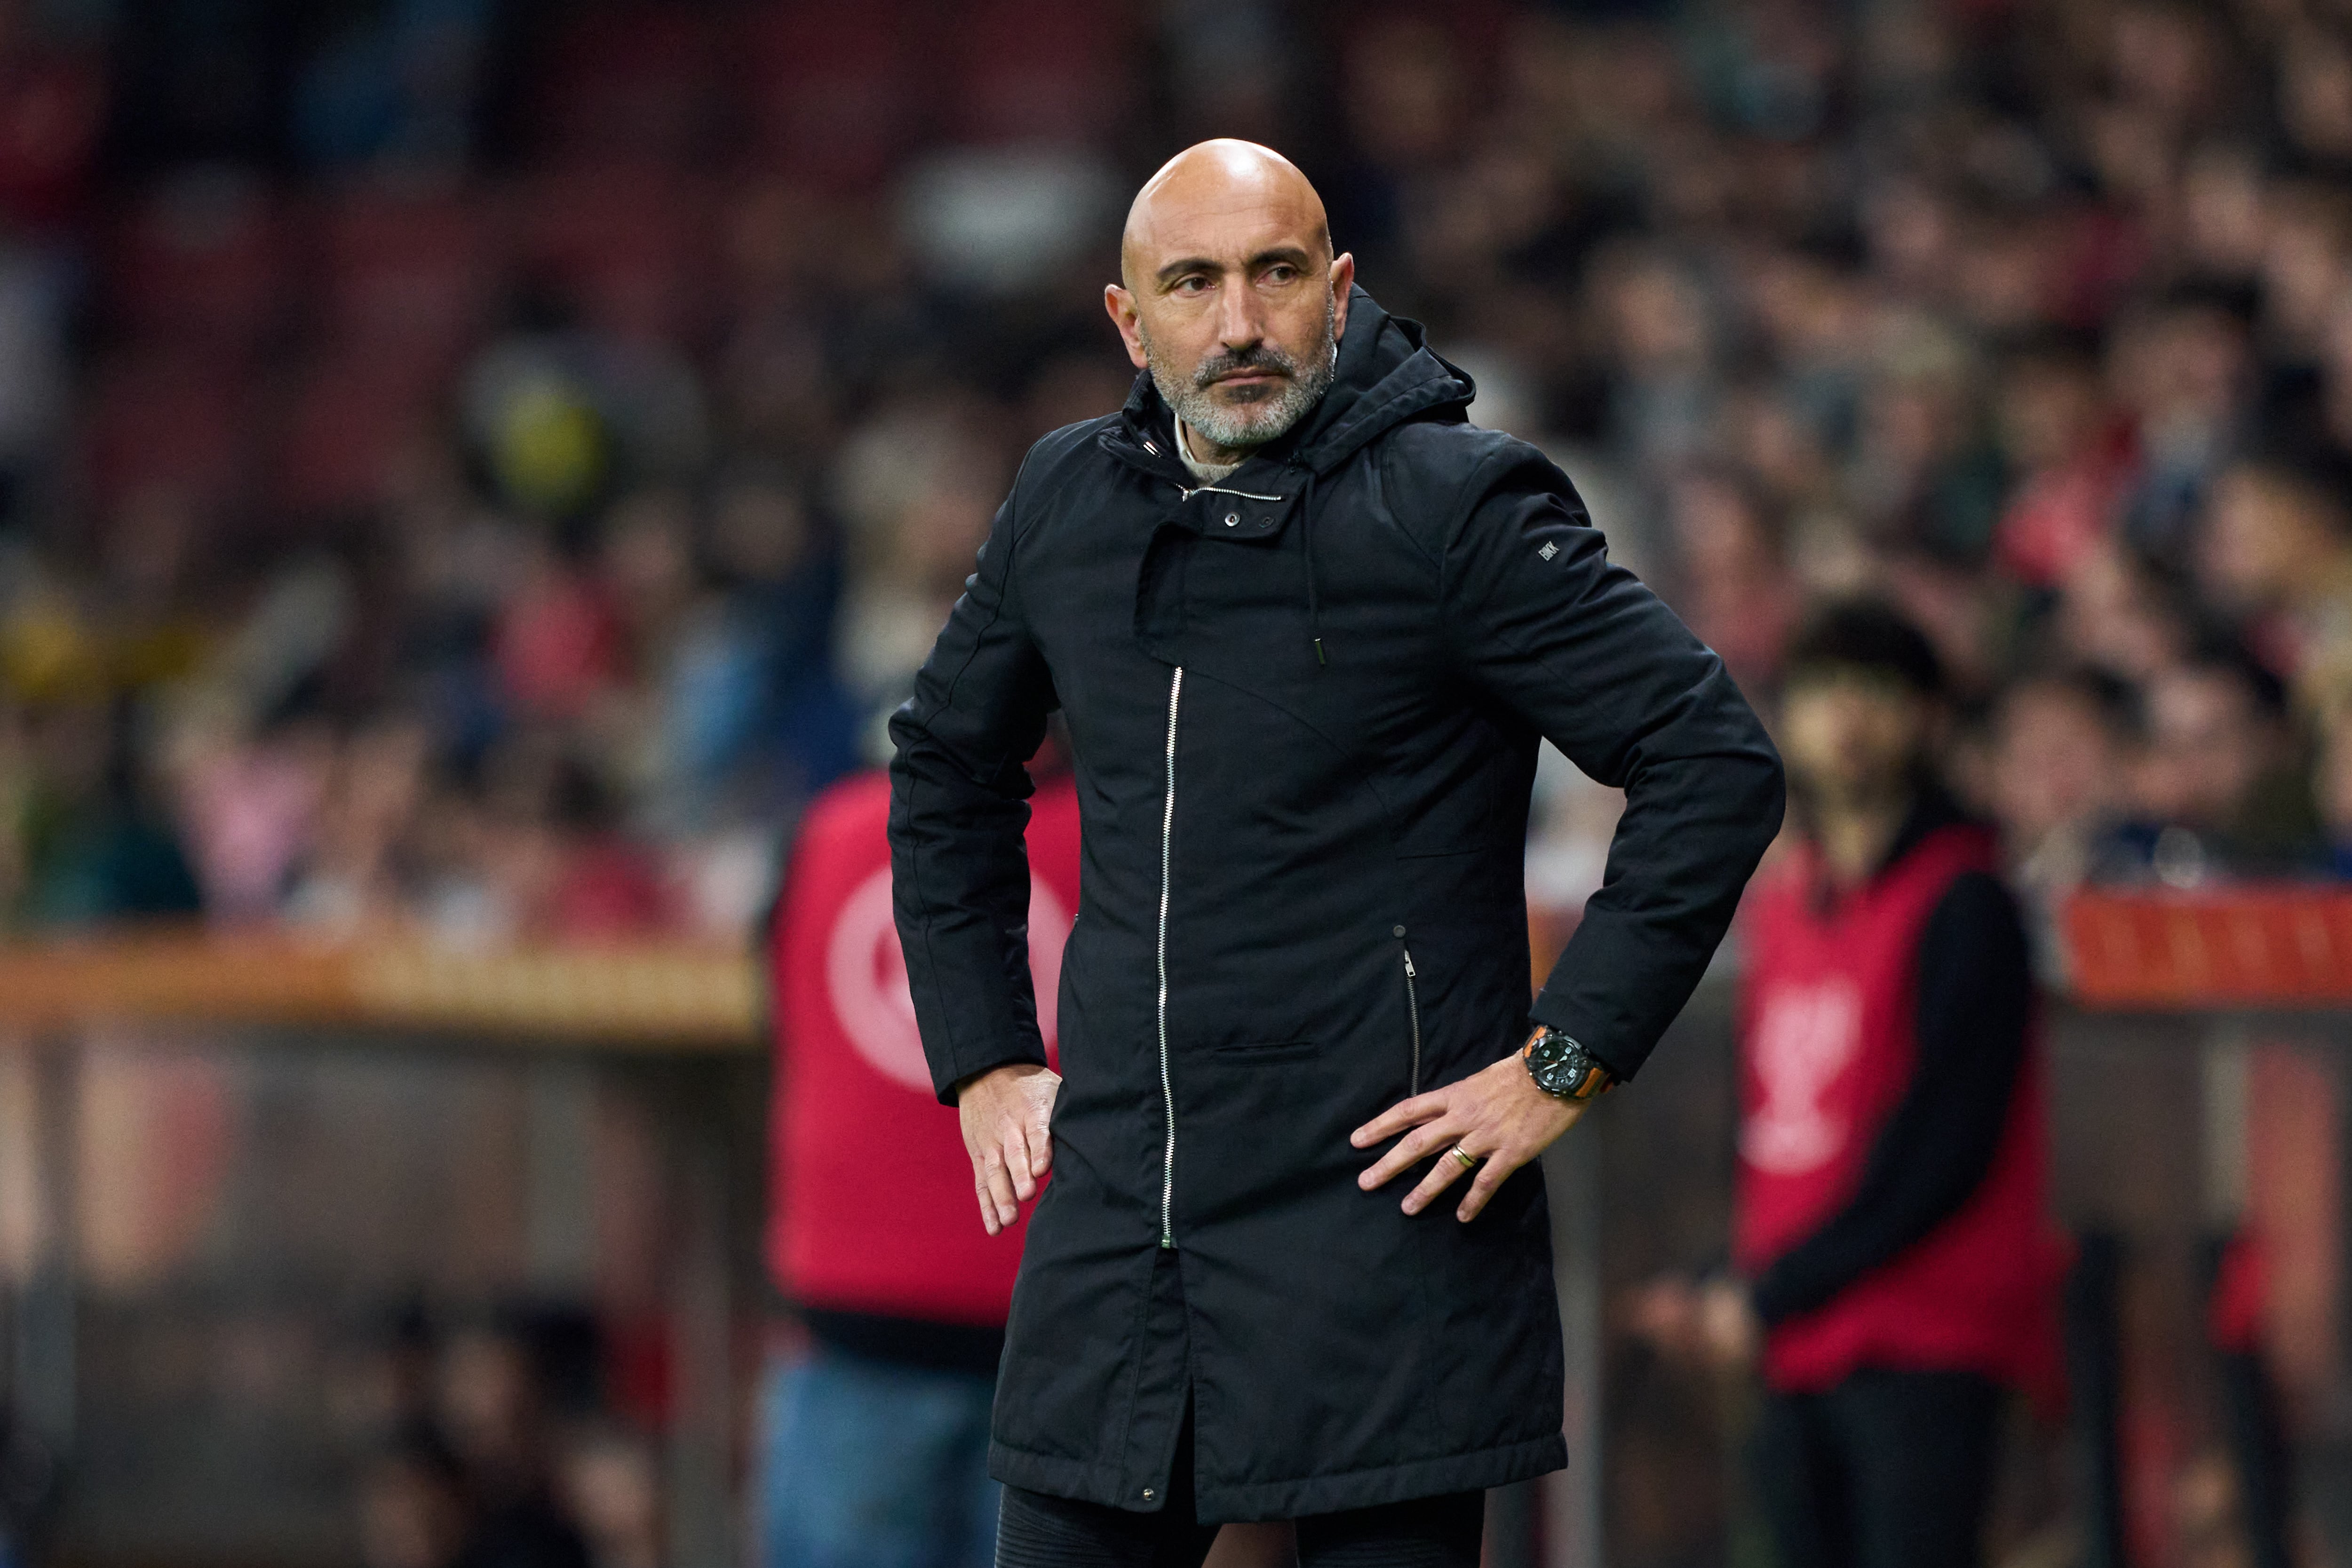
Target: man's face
2208,747
1851,736
2054,761
1234,303
2260,538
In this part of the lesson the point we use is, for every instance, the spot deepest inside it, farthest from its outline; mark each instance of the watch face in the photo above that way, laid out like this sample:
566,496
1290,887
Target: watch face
1558,1063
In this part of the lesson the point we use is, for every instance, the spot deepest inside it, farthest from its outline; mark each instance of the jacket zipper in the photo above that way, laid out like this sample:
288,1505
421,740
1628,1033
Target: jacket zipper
1412,1008
1166,1088
1191,490
1221,491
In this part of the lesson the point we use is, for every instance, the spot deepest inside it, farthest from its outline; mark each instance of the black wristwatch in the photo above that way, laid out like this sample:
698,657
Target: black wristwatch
1563,1068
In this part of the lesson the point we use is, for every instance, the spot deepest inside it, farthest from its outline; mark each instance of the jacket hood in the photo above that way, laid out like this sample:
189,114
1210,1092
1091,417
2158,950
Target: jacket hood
1387,374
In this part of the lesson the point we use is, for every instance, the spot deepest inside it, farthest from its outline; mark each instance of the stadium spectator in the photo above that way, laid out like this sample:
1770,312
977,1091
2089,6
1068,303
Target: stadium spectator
97,845
2183,366
2277,549
2068,457
1896,1266
1735,590
413,1507
2332,788
610,1487
2217,786
491,1401
877,1426
2061,743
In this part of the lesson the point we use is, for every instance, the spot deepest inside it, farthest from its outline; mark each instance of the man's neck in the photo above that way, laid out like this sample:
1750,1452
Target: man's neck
1855,836
1208,461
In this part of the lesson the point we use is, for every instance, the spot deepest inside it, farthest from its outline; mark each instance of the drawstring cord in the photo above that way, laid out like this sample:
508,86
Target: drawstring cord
1307,544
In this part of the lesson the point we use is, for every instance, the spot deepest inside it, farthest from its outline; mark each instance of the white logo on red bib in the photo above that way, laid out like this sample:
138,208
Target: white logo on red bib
1805,1036
865,976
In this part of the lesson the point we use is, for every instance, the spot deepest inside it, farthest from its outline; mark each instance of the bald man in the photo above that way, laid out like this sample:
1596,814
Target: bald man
1307,625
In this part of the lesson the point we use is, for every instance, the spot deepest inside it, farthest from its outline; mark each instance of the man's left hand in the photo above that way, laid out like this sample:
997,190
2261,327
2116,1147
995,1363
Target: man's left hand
1498,1116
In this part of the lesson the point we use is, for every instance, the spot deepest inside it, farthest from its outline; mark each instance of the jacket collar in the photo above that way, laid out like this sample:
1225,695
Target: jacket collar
1387,374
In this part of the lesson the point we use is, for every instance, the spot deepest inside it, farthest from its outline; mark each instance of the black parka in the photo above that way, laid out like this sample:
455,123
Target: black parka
1304,706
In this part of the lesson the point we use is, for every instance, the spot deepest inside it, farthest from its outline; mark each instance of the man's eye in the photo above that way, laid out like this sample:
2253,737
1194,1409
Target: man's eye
1281,274
1191,285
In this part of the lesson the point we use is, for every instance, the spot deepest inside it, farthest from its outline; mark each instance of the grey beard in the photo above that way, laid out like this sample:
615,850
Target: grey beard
1247,425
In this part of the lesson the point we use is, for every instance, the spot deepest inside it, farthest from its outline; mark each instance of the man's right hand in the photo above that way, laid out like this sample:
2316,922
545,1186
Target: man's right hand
1007,1113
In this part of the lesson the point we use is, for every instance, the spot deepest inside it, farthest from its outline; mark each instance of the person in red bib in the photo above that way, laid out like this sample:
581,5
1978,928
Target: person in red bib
876,1427
1896,1271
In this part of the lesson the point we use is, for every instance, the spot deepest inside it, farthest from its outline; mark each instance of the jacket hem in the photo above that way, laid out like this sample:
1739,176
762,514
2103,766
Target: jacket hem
1083,1481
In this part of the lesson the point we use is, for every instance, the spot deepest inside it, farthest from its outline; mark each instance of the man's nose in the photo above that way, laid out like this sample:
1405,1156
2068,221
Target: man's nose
1240,323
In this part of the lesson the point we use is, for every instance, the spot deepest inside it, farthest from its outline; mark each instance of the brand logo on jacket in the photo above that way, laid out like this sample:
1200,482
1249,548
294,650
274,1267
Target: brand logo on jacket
1548,551
865,976
1805,1036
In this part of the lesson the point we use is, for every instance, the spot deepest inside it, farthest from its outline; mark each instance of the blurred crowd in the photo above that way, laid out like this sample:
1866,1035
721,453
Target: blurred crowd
484,1449
479,466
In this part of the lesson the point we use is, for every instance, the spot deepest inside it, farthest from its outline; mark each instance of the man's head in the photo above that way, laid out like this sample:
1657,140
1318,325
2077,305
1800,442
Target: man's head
1858,708
2273,520
2060,741
2217,725
1230,294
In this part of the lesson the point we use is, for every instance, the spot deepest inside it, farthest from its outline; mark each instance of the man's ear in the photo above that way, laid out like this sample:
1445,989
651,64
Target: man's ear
1120,304
1343,283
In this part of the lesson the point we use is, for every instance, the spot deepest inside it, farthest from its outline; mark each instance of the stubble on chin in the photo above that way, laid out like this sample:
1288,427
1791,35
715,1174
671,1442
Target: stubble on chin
1251,419
1263,413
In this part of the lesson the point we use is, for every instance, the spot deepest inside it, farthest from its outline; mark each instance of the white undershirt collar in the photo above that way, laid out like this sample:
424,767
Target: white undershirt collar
1207,473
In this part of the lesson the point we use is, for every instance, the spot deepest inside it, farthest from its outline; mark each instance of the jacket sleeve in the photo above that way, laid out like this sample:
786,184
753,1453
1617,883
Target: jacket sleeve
959,806
1541,621
1975,1003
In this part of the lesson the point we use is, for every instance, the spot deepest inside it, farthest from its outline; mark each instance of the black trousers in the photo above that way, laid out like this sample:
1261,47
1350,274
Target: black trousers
1888,1469
1034,1530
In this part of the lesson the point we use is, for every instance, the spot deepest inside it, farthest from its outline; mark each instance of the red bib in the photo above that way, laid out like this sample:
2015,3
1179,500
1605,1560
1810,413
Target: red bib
1827,1008
871,1203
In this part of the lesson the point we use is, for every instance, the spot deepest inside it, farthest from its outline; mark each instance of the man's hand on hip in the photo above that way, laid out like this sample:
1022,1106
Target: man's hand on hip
1007,1113
1496,1117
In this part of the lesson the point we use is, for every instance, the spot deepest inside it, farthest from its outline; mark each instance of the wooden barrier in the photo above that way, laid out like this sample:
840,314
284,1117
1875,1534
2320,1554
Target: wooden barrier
2272,946
2276,945
664,997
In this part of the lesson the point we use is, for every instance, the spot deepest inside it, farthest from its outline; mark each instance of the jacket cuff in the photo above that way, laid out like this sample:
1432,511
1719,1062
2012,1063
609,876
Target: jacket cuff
1557,1013
978,1056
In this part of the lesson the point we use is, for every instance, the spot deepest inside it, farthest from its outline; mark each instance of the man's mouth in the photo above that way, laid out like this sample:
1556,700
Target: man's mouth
1248,385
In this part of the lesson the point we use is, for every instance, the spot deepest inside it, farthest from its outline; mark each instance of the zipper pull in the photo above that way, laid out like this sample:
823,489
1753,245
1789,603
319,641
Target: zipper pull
1409,973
